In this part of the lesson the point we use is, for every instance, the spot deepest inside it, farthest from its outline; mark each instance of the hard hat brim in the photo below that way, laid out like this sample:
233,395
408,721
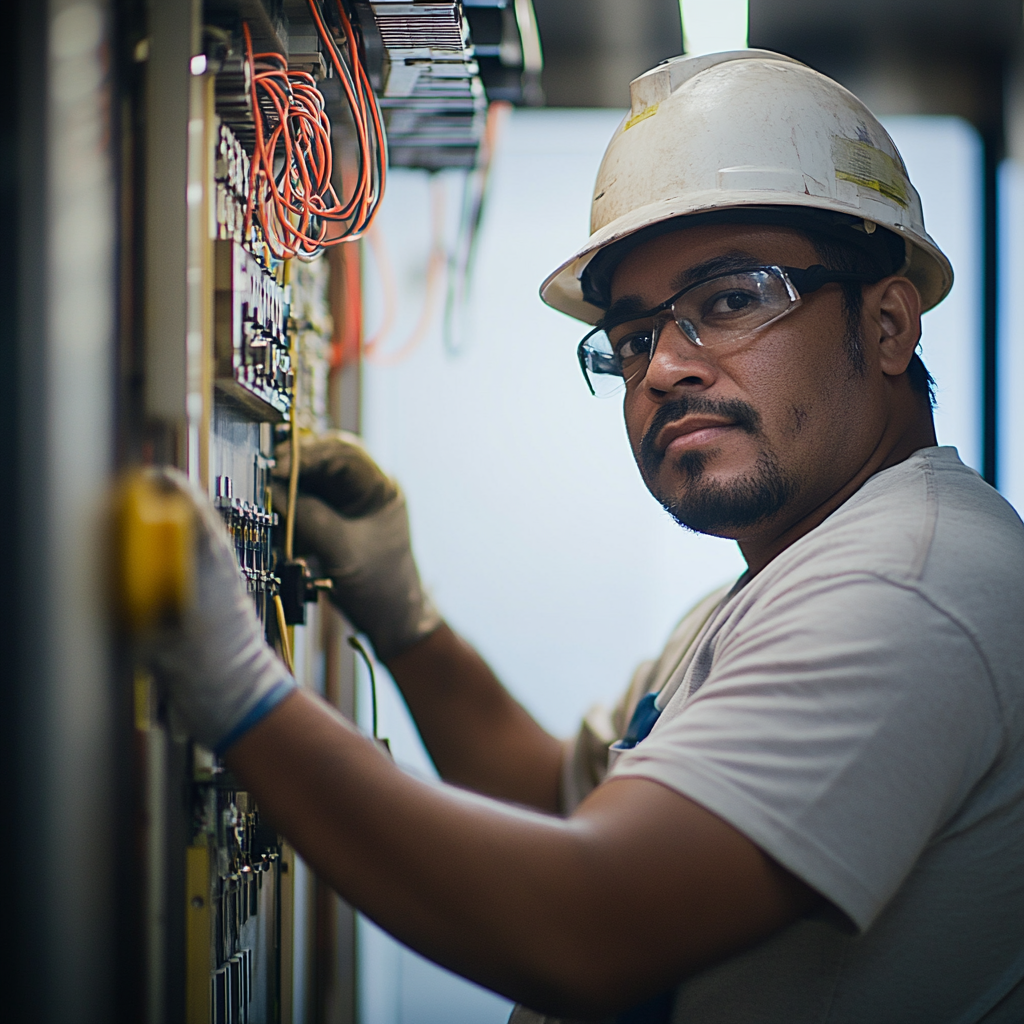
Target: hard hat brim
927,267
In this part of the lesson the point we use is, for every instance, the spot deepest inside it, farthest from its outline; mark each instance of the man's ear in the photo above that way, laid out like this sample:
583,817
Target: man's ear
894,308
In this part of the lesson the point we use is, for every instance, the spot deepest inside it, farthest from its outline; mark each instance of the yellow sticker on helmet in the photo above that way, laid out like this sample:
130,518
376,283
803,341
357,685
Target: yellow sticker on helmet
642,116
870,167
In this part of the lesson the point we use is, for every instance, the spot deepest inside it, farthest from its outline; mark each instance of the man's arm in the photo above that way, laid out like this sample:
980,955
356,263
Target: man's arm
581,915
477,735
584,915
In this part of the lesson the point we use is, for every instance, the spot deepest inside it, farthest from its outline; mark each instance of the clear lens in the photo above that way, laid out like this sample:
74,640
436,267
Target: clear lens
606,386
726,308
733,305
603,368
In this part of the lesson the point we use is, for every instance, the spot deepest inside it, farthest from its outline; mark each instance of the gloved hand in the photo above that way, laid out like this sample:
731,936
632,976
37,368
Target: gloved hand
353,518
220,674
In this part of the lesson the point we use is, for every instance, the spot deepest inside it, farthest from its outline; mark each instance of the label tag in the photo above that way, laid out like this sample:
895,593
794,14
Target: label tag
866,165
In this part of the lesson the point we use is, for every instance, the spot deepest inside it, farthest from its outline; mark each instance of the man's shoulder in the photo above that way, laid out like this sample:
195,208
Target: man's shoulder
924,543
930,522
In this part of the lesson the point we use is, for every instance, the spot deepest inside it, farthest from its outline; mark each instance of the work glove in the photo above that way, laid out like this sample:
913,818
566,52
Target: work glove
220,675
352,517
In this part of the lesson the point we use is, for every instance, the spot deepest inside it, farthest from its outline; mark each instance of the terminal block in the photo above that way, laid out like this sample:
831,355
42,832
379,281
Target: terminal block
249,527
231,202
252,346
231,175
244,881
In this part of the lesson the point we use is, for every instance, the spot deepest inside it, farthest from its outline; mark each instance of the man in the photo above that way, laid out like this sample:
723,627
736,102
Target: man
813,808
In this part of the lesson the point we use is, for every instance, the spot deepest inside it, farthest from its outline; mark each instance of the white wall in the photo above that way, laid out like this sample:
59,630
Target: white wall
944,158
531,523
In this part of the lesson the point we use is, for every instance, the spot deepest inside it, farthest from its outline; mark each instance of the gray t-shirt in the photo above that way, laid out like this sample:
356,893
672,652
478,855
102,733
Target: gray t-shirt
857,710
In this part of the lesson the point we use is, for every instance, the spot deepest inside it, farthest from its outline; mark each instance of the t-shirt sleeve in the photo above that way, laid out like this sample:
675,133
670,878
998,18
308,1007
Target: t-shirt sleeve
840,727
585,755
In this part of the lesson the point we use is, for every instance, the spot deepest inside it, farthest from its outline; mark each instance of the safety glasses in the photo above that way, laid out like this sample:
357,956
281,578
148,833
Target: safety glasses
710,313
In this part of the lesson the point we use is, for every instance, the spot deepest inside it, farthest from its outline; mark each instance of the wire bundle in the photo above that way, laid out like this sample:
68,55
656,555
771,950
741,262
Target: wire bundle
291,194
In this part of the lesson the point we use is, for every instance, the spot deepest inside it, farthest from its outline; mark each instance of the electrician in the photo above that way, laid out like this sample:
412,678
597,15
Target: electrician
813,808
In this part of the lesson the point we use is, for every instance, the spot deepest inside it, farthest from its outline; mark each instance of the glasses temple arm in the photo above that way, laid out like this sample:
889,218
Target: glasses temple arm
817,276
581,356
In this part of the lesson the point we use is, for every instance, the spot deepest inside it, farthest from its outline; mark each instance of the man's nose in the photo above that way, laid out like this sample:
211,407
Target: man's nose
677,364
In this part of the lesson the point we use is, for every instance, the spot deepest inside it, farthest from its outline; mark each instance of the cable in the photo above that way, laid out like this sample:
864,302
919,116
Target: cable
293,489
282,629
357,646
460,265
436,264
372,127
291,195
294,465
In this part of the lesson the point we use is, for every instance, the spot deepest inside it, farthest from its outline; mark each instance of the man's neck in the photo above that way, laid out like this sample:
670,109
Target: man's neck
918,433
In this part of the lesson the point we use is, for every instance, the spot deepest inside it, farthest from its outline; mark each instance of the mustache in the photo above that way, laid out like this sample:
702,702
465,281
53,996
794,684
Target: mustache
742,415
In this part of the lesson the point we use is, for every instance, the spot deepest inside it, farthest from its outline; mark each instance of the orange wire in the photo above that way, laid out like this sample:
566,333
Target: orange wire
295,207
388,286
436,263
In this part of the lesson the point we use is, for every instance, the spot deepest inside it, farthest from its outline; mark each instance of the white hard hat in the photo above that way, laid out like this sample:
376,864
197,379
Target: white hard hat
748,136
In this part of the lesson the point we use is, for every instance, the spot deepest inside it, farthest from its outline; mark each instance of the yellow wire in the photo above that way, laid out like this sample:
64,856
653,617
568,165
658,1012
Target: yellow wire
282,628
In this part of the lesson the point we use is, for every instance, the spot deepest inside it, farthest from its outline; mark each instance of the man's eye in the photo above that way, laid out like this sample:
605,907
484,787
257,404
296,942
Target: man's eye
730,303
633,345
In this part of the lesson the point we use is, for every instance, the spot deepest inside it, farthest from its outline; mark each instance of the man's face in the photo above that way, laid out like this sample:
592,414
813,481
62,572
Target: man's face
745,439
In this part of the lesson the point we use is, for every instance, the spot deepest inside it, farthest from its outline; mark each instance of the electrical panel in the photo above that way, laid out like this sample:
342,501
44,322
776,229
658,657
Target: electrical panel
294,110
270,355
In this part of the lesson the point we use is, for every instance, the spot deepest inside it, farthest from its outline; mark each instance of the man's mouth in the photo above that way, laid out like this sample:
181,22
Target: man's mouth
688,424
691,432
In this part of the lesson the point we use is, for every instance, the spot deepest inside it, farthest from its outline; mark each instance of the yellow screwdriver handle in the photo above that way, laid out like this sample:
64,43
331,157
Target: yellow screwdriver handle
155,537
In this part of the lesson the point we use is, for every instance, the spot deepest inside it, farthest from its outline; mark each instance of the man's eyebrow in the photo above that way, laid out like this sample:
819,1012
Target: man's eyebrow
724,264
623,310
630,307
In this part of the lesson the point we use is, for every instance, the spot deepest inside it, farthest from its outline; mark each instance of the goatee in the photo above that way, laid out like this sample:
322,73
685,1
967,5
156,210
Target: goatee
706,506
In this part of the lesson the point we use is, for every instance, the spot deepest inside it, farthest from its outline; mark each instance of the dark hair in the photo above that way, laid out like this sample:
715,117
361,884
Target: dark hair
837,254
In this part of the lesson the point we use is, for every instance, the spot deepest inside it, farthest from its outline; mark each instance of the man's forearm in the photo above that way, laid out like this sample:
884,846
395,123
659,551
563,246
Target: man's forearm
477,735
532,905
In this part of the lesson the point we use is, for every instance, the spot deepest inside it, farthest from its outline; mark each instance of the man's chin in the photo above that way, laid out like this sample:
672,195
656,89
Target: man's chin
728,508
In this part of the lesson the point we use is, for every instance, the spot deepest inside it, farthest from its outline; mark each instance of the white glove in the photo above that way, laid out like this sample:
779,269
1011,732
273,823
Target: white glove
353,518
221,676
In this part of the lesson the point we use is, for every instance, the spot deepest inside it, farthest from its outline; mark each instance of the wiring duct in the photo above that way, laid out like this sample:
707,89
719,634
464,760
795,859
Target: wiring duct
291,194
